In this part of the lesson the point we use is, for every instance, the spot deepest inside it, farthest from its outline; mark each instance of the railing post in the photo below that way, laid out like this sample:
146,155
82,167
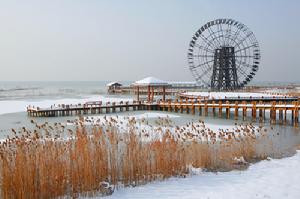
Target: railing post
220,108
205,108
254,110
193,108
244,110
236,110
213,108
227,110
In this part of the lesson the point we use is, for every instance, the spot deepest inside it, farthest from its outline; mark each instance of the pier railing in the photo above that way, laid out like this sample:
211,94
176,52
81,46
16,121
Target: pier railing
277,110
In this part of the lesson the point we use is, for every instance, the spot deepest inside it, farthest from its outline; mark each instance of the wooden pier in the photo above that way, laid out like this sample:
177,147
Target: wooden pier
276,111
89,108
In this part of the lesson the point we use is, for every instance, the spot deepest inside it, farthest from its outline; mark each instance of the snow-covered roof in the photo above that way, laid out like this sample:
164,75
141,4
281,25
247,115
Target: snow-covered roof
112,83
150,81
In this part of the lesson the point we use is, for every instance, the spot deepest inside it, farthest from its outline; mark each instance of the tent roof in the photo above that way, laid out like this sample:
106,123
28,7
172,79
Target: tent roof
150,81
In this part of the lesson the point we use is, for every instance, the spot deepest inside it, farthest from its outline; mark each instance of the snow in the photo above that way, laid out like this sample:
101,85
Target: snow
112,83
174,83
123,122
154,115
222,95
274,178
162,123
13,106
152,81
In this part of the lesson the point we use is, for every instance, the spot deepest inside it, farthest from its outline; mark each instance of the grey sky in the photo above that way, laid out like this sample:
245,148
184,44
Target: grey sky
128,40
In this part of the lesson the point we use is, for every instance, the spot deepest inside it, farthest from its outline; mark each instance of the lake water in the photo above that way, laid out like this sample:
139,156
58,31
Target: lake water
15,96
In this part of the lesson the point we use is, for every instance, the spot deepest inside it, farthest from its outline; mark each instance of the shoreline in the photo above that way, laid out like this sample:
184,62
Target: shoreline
272,178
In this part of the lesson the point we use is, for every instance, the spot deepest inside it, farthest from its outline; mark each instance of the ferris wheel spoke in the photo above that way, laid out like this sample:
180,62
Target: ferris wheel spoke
209,43
202,64
221,36
236,33
215,38
203,56
241,64
228,32
205,72
244,56
204,48
247,47
242,72
242,40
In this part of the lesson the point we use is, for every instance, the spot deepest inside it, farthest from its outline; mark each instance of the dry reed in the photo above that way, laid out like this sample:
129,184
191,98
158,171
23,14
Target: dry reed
52,161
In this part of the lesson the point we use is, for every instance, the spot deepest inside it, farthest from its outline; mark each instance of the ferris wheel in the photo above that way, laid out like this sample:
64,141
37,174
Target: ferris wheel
223,55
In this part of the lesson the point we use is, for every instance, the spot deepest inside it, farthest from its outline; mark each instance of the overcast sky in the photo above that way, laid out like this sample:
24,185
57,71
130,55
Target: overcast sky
98,40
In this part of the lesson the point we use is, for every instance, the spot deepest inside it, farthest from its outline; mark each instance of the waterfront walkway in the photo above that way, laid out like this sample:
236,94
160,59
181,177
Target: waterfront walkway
277,109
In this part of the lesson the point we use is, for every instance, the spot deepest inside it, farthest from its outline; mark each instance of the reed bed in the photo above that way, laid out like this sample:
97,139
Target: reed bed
53,161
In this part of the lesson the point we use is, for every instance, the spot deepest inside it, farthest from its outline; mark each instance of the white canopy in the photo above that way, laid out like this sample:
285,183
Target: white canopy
150,81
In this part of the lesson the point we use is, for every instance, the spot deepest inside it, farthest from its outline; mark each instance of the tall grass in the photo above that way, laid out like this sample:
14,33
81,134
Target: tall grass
46,163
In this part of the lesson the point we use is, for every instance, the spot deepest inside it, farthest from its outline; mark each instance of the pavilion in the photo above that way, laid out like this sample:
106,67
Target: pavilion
152,84
113,86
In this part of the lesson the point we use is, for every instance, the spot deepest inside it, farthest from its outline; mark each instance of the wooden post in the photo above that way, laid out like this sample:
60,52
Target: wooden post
227,110
134,106
205,108
107,108
273,113
254,110
200,109
285,112
260,112
165,106
139,107
164,93
244,110
138,93
296,114
187,107
121,105
280,113
193,108
181,108
152,96
236,110
175,106
214,108
220,108
149,93
293,116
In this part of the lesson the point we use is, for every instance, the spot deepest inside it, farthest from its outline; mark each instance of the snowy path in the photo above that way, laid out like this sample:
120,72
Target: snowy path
278,178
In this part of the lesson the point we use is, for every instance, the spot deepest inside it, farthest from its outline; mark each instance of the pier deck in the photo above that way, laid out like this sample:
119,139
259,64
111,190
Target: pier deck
277,109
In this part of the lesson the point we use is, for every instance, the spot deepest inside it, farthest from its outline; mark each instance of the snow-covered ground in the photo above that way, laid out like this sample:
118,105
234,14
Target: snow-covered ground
13,106
222,95
276,179
162,123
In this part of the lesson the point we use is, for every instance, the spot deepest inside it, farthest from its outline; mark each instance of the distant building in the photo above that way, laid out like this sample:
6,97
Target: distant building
113,87
153,86
182,84
157,84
